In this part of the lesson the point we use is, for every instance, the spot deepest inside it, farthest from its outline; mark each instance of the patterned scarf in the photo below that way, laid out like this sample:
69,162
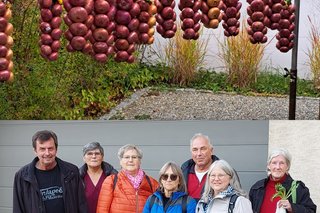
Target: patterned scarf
226,193
136,180
205,205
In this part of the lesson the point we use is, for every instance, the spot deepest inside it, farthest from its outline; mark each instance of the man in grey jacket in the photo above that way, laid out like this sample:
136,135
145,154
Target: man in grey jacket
48,184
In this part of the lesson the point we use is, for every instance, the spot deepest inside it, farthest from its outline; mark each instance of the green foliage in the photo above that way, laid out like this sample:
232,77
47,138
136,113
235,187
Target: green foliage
210,80
271,83
73,87
276,83
282,193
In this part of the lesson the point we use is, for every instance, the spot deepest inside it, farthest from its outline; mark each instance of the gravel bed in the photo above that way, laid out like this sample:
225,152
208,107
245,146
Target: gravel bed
190,104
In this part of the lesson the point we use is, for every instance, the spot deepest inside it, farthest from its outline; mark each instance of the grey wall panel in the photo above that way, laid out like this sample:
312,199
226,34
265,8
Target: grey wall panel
7,176
244,157
247,180
15,156
5,210
5,198
121,132
243,143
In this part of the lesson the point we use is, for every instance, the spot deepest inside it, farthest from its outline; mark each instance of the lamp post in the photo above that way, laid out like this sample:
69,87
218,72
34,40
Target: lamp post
293,70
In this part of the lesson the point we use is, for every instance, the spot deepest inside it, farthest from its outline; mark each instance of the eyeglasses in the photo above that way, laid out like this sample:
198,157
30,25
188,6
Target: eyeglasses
90,154
133,157
219,176
173,177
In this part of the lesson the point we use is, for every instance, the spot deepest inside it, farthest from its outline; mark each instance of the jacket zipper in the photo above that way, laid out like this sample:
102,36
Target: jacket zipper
137,202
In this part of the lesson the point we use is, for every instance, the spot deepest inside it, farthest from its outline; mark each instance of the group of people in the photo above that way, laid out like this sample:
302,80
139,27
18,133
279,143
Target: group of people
203,184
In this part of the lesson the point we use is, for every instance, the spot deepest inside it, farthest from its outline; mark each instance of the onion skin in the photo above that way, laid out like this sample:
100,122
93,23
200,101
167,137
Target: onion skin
79,19
190,17
258,21
285,35
147,22
50,32
231,16
5,75
165,9
6,43
103,29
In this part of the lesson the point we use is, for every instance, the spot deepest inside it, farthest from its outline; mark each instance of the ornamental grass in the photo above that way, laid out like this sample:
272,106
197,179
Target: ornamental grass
241,59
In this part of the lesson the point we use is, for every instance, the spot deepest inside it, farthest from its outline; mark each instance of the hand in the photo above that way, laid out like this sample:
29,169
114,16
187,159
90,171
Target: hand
285,204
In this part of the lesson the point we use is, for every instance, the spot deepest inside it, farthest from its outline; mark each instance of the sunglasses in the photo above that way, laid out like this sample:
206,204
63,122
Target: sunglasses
173,177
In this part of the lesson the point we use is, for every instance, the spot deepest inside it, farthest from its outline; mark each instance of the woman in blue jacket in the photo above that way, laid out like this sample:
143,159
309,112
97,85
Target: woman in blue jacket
171,197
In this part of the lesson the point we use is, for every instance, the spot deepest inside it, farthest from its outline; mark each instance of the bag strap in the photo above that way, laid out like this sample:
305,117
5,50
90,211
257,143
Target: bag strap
232,202
149,182
184,204
294,191
152,199
115,179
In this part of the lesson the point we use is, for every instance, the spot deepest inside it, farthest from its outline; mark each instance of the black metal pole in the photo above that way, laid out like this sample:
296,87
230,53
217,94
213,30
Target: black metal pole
293,70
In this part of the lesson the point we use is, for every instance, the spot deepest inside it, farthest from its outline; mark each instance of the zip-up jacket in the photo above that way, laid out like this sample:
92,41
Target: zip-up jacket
221,204
106,168
304,203
174,205
188,168
124,198
26,192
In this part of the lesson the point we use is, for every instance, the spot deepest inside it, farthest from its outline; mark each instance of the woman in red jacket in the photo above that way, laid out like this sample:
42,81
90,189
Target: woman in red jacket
127,191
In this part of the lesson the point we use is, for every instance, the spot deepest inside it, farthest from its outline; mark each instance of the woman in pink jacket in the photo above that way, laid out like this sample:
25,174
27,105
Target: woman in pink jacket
127,191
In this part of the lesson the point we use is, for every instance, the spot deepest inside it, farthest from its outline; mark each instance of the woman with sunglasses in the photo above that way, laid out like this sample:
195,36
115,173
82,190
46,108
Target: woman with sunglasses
171,197
127,191
222,191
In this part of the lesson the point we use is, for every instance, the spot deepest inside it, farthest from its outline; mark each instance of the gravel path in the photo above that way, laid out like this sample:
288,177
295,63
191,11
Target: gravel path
190,104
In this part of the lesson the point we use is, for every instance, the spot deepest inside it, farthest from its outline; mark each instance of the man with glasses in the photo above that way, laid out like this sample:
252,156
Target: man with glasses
195,169
93,172
48,184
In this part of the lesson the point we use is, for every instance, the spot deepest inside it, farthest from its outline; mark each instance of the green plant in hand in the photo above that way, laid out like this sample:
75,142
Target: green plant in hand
282,192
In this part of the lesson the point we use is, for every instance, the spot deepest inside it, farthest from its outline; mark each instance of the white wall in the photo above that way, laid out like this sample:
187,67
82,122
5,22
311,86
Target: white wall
301,138
273,58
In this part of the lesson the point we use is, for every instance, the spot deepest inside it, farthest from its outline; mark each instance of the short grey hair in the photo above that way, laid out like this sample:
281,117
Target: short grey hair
92,146
128,147
280,151
234,179
200,135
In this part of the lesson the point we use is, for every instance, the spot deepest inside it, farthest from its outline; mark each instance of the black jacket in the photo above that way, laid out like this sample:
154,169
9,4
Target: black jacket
106,167
303,204
26,193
